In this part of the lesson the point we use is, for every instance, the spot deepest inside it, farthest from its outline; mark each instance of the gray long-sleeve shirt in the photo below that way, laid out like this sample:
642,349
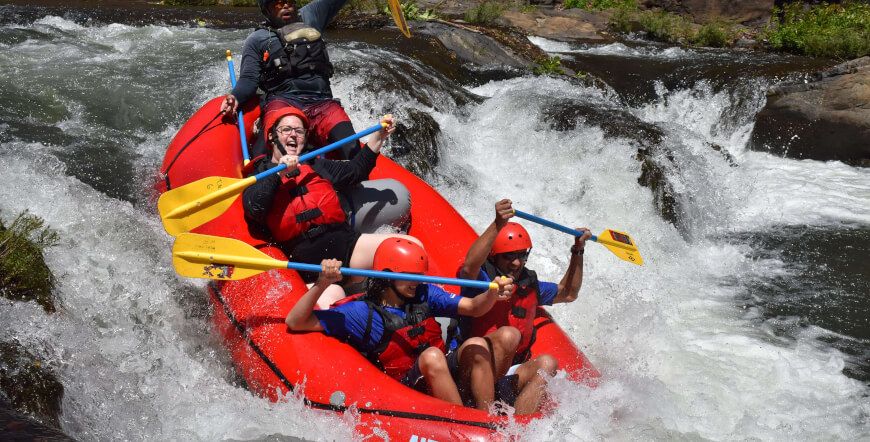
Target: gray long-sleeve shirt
316,14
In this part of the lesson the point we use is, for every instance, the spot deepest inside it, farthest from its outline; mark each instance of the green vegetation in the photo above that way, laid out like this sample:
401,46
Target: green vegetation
210,2
673,28
412,11
23,273
598,5
485,12
835,31
549,66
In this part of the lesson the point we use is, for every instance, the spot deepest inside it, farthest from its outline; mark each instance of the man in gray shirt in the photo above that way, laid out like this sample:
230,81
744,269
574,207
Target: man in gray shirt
286,57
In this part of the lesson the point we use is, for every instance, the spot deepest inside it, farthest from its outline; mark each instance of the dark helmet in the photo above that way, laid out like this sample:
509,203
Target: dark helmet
401,256
264,5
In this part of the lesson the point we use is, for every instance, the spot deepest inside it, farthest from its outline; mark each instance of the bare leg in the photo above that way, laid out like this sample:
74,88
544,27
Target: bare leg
364,252
475,362
503,344
531,384
433,366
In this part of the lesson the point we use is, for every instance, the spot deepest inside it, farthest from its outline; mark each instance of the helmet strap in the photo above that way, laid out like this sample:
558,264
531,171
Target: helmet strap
277,142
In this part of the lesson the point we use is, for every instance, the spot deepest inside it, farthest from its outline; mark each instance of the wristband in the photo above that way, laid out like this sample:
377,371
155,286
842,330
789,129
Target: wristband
575,251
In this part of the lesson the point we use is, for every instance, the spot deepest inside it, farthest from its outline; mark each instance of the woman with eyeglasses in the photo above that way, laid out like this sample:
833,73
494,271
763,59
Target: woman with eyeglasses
502,250
299,208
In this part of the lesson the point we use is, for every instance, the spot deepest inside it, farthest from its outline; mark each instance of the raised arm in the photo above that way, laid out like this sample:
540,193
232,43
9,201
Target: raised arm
301,316
376,141
569,287
479,305
479,250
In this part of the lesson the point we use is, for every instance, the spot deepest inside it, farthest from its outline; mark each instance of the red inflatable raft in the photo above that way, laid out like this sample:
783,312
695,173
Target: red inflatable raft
249,314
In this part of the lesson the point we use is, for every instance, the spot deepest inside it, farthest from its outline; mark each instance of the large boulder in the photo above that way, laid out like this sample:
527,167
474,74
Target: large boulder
556,24
827,118
471,45
750,12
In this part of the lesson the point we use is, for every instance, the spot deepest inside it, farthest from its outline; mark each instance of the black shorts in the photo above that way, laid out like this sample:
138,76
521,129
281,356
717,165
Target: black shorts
414,378
337,242
505,390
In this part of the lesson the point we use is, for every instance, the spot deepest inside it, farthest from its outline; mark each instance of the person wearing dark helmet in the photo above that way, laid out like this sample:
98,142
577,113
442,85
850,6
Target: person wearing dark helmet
286,57
299,209
502,250
393,324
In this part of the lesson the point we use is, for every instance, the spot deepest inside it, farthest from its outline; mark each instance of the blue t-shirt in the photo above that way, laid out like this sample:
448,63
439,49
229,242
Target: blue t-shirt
549,290
348,321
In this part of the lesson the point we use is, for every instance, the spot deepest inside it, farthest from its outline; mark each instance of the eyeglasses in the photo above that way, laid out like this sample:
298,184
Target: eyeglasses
522,256
288,130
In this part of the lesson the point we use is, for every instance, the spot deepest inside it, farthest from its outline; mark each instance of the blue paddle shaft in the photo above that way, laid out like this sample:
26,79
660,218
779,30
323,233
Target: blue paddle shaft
320,151
390,275
551,224
244,139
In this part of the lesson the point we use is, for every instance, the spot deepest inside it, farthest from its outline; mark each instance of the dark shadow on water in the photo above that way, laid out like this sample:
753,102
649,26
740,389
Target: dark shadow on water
825,284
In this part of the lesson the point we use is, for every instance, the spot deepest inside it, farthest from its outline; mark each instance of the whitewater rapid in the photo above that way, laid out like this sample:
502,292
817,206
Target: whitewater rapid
680,358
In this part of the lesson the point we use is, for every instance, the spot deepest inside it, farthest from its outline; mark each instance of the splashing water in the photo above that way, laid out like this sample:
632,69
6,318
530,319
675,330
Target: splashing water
683,355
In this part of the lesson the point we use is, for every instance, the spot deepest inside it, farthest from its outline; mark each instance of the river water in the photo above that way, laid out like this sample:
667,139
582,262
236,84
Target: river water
749,319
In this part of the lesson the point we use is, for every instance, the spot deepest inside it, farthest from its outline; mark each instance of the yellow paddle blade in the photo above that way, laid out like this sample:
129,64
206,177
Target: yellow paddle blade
399,17
621,245
194,204
213,257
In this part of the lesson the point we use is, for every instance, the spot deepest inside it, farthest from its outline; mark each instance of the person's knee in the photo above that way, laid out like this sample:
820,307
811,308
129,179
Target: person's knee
507,337
547,364
340,131
377,203
476,351
431,361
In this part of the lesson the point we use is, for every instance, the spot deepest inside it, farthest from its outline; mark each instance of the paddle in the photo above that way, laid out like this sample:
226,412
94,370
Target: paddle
617,242
194,204
245,153
214,257
399,17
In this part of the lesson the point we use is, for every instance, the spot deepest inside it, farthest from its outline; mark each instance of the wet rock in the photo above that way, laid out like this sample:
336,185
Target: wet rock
657,161
565,114
471,45
414,145
28,385
750,12
825,119
561,25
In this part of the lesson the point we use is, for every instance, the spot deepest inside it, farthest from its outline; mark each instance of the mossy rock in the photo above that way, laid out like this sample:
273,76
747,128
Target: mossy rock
31,388
23,273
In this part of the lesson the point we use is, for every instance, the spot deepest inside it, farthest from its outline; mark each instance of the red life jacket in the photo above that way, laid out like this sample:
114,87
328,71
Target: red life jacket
304,200
404,339
519,311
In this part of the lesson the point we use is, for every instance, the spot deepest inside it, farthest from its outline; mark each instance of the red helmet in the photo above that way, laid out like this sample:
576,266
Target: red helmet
511,237
275,111
401,256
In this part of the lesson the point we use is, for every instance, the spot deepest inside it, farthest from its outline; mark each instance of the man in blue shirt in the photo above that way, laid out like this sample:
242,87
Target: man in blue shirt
287,58
394,326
